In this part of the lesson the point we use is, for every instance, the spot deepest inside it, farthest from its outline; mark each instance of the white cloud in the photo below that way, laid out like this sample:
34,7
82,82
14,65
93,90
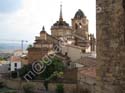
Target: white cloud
28,21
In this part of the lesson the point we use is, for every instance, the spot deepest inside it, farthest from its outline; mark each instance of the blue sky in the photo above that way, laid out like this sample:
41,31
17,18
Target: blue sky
9,5
23,19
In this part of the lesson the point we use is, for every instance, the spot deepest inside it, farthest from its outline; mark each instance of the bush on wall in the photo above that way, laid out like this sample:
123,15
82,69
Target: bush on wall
28,88
59,88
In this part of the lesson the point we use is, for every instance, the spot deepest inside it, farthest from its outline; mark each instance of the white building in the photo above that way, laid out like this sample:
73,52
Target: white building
15,63
18,53
15,60
76,52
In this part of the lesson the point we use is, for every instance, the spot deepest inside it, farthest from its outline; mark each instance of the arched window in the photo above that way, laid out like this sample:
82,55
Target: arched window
76,26
80,25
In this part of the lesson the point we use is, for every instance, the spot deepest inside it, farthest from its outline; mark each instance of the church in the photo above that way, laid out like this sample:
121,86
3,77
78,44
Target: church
77,35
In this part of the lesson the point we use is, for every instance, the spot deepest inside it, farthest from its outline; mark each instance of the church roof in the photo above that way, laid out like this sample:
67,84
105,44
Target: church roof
79,14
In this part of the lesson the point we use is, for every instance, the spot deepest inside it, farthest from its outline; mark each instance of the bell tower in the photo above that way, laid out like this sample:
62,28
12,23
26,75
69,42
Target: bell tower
80,24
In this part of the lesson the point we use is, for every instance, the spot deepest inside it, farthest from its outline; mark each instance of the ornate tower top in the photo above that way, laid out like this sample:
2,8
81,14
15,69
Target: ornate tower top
79,14
43,30
61,17
60,22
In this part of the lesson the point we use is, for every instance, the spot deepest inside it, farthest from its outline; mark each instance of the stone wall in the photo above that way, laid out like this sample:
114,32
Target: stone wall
71,75
110,46
16,84
86,84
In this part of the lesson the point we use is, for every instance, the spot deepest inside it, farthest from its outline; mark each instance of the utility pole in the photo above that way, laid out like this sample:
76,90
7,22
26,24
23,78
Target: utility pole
22,43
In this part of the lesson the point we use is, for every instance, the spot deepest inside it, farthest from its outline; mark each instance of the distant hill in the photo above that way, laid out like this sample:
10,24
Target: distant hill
9,47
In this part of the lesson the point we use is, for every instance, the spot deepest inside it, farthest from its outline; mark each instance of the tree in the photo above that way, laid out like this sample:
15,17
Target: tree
53,72
56,66
1,84
25,69
14,74
1,58
29,46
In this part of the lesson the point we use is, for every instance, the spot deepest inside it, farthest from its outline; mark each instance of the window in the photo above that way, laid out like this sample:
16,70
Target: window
9,69
80,25
66,53
83,51
15,69
15,64
76,26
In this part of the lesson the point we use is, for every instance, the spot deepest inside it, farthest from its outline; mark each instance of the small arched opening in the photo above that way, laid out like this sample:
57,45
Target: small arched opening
80,25
76,26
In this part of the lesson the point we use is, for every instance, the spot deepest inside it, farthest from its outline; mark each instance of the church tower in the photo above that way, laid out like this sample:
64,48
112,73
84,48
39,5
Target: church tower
61,28
80,29
110,46
80,24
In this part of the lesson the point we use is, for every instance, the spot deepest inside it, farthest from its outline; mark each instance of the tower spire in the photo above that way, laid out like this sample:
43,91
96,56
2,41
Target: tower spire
43,29
61,17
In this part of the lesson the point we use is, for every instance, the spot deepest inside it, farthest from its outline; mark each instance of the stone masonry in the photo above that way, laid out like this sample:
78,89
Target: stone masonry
110,46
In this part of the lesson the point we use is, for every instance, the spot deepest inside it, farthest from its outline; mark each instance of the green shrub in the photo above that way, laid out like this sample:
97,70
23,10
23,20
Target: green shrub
28,88
1,84
59,88
14,74
11,91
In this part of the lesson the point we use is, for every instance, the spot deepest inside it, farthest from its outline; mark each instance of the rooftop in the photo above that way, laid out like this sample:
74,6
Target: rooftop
15,59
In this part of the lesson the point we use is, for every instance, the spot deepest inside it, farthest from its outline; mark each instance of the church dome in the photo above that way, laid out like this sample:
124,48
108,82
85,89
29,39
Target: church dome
79,14
60,23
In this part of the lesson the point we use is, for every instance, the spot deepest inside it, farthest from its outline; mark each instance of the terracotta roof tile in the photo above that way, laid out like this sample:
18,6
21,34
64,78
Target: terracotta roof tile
15,59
